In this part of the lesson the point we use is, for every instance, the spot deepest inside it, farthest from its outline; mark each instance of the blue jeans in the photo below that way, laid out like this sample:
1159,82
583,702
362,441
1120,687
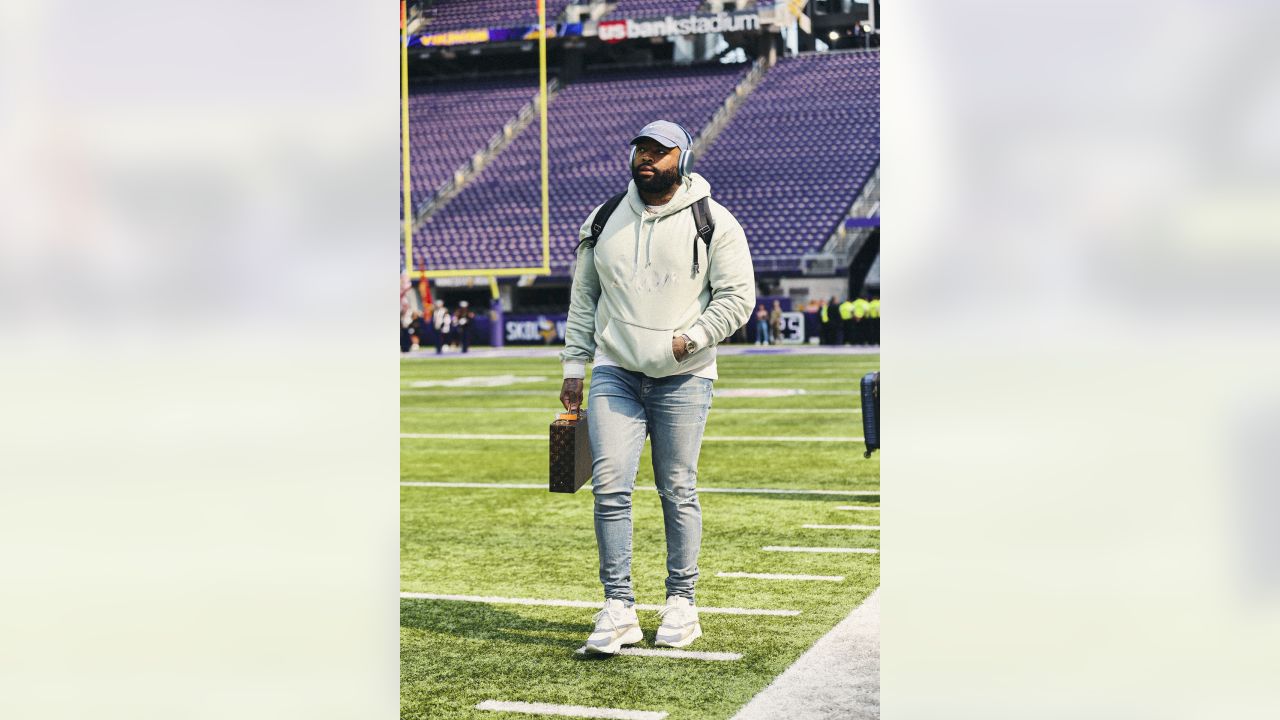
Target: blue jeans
762,331
624,407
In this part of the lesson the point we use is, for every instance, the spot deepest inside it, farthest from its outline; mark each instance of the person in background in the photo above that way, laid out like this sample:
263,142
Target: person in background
406,329
406,313
452,340
826,322
422,328
450,325
846,322
861,307
415,334
462,325
775,323
762,325
873,312
440,322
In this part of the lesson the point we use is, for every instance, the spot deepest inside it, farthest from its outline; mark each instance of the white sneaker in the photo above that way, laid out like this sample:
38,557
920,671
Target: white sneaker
616,625
679,623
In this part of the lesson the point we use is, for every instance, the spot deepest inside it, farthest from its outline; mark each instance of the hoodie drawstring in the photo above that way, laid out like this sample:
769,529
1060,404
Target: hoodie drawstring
635,260
648,247
648,244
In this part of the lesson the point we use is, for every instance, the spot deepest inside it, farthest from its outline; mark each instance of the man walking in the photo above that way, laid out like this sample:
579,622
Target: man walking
462,325
649,317
846,322
775,323
762,325
440,322
861,308
825,311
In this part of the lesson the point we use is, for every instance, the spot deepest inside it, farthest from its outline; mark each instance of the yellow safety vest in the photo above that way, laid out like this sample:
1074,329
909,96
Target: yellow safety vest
846,310
875,308
860,308
823,314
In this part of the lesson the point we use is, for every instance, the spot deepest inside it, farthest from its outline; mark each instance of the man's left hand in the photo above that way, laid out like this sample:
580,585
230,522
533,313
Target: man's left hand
679,348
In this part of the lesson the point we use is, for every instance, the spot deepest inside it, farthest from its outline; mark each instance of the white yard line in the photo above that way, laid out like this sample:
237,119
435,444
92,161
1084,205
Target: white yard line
472,393
577,711
795,411
498,486
778,576
838,677
505,381
709,438
868,508
450,392
666,653
543,486
785,548
468,436
779,438
771,491
594,605
847,380
841,527
857,353
550,412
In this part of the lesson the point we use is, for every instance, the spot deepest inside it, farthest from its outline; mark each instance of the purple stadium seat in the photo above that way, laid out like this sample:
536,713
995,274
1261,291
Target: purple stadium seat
451,121
819,115
788,165
653,8
496,222
448,15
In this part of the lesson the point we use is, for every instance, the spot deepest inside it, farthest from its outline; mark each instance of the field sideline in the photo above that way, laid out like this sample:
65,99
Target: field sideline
512,543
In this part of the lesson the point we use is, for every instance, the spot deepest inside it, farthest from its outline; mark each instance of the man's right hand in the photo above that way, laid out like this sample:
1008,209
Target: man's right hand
571,394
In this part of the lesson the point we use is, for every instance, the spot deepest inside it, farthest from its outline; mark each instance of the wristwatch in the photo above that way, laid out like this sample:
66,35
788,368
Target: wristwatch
689,345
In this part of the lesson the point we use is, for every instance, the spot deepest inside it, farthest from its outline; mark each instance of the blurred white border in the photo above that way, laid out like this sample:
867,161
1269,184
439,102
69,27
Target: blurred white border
198,215
1081,213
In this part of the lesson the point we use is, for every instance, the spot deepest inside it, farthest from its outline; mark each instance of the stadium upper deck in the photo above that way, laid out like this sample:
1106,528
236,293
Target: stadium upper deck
788,165
495,221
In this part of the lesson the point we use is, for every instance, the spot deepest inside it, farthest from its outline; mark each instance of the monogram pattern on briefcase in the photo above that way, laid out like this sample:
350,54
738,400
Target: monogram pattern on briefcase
570,452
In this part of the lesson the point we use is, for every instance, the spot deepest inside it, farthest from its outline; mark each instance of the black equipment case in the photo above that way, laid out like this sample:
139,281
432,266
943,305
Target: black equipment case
871,412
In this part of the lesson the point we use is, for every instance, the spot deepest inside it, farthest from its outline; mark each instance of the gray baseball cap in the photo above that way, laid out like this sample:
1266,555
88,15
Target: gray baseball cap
666,132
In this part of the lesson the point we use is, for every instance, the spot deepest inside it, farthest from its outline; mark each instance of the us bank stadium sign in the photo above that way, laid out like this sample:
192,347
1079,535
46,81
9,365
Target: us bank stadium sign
613,31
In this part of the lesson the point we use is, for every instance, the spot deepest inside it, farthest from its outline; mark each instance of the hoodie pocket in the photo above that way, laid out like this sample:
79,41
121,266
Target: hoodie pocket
641,349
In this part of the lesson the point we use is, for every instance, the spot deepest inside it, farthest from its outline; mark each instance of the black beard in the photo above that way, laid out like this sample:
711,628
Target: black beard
656,184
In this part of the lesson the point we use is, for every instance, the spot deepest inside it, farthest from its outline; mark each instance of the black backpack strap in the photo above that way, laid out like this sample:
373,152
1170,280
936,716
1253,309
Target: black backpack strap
601,219
706,226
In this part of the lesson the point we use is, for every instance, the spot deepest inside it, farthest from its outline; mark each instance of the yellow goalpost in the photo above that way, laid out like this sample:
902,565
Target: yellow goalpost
424,272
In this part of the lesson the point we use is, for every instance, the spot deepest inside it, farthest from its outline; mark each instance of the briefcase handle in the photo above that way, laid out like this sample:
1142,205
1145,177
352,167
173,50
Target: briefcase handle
571,417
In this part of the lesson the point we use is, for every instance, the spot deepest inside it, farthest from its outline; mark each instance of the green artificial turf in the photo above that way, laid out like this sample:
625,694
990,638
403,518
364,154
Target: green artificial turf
529,543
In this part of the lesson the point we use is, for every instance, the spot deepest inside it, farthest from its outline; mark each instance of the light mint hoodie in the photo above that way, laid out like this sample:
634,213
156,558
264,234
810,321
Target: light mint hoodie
637,289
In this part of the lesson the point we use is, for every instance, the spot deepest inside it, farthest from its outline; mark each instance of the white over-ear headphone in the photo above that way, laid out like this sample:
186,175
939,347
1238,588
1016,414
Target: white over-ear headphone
686,158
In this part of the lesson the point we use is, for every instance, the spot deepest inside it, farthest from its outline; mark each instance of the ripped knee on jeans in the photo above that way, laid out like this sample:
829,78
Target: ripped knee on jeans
679,494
